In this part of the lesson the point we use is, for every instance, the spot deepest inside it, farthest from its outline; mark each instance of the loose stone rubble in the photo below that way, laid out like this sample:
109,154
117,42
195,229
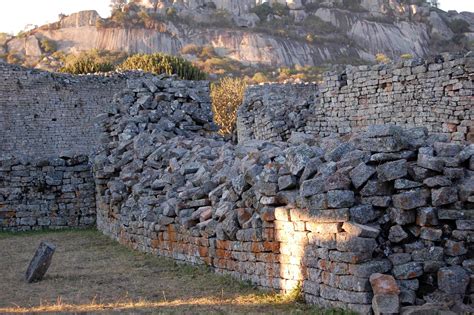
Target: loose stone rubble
46,193
324,213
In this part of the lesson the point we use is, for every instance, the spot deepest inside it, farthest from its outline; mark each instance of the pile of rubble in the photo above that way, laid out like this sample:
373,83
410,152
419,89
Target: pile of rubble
380,221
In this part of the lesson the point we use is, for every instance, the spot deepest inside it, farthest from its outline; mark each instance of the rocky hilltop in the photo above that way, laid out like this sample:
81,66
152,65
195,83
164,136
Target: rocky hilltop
273,33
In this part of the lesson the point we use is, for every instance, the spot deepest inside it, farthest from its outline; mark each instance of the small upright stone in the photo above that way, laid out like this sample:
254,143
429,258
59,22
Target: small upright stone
40,263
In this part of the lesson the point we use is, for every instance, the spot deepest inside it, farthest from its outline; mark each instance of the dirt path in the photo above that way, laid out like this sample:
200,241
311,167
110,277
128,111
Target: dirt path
91,273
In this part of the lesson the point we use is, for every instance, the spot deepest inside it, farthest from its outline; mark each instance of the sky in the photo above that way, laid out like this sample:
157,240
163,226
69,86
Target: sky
16,14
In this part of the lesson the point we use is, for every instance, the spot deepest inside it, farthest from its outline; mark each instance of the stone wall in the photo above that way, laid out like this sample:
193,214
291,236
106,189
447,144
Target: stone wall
436,94
45,114
376,222
46,193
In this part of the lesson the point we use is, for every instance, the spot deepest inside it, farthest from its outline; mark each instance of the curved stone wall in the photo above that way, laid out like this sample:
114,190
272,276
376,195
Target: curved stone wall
46,114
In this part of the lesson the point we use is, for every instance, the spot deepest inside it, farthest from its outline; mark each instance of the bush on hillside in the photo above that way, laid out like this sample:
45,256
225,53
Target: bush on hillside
49,46
382,58
459,26
227,95
163,64
86,62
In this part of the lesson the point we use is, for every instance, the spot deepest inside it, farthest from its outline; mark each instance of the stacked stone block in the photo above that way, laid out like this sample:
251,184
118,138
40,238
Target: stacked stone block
274,111
321,214
436,93
46,193
45,114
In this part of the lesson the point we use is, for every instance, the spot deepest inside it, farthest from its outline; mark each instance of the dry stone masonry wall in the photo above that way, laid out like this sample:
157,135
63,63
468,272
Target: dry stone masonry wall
435,93
375,221
45,114
46,193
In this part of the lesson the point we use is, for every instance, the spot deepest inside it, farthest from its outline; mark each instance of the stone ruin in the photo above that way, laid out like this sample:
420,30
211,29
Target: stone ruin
376,220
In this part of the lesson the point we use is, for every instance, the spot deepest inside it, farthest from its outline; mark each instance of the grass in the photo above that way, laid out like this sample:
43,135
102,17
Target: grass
91,273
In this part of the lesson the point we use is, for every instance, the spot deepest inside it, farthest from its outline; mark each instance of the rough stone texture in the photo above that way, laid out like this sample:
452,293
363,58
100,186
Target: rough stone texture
310,210
46,193
43,114
453,280
281,212
40,263
350,101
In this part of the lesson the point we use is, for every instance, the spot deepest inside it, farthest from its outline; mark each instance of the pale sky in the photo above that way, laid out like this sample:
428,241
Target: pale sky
16,14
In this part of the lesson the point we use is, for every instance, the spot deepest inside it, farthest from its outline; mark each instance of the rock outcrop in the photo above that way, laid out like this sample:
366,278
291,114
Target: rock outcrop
360,31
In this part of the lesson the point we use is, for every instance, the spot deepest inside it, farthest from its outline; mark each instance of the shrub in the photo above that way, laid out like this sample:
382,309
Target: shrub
14,58
382,58
190,49
459,26
262,11
316,24
86,62
259,77
161,63
406,56
48,45
227,95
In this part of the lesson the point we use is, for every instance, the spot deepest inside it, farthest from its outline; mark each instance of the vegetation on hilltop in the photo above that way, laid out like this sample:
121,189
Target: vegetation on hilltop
161,63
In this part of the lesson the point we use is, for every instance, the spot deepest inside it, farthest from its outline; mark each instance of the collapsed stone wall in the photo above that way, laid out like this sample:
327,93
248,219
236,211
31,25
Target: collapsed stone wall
436,93
332,215
45,114
46,193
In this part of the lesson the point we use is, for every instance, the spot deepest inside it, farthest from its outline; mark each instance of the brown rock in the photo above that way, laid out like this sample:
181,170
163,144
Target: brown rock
384,284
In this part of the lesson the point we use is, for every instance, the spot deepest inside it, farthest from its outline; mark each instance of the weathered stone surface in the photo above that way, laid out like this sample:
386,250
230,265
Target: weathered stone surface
453,248
431,234
40,263
340,198
409,200
361,174
409,270
385,304
430,162
444,196
453,280
348,243
427,216
384,284
402,217
397,234
359,230
392,170
286,182
312,187
363,214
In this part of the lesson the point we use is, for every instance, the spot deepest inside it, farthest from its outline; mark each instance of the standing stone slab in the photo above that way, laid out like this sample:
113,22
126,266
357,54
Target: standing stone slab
40,263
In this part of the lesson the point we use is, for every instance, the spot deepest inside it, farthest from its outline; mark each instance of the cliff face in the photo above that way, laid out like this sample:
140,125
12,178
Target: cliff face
356,32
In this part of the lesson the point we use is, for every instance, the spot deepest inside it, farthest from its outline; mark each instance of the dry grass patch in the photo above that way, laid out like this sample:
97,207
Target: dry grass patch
90,273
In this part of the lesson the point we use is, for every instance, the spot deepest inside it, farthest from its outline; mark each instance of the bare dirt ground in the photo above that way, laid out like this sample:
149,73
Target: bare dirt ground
92,274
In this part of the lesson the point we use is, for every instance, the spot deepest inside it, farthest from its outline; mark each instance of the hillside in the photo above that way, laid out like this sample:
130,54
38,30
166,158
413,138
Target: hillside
286,33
